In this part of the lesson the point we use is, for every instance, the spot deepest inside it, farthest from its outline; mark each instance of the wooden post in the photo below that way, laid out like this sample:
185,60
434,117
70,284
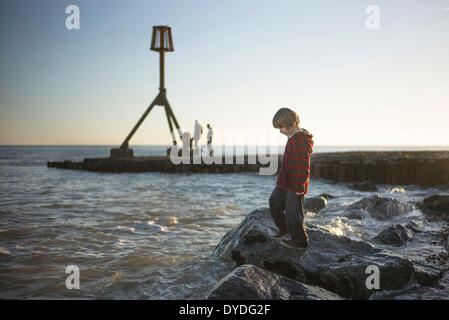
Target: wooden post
161,41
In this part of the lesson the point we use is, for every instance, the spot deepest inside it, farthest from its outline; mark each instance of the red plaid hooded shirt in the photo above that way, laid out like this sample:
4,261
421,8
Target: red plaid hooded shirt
295,169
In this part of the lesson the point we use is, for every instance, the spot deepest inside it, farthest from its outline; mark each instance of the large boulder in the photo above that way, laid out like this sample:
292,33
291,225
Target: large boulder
249,282
439,203
335,263
380,208
427,274
354,213
417,292
315,204
398,234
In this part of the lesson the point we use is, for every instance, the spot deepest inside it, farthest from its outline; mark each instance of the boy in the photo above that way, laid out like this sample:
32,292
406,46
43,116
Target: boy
293,179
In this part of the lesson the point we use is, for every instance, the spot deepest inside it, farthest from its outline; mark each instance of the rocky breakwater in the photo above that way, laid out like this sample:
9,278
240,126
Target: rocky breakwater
333,266
425,168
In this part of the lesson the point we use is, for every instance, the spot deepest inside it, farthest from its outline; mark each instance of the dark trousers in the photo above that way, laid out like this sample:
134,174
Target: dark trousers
287,210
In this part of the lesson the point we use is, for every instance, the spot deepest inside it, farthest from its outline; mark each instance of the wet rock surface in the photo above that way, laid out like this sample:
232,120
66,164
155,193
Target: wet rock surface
416,291
314,204
249,282
437,203
412,255
379,208
335,263
398,234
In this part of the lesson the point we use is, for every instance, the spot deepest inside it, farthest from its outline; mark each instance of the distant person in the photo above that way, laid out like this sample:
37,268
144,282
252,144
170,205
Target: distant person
186,144
210,133
293,180
197,135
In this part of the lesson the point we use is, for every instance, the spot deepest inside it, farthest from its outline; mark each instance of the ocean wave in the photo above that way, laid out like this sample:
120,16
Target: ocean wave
130,229
4,251
149,225
13,233
121,243
192,226
170,221
62,206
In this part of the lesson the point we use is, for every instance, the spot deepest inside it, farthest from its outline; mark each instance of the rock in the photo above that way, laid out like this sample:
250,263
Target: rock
412,292
436,202
398,234
315,204
357,213
249,282
364,186
406,293
335,263
426,274
381,208
326,196
438,258
417,292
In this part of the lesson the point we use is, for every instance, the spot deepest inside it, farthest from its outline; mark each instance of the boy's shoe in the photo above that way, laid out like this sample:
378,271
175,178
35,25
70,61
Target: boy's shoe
295,244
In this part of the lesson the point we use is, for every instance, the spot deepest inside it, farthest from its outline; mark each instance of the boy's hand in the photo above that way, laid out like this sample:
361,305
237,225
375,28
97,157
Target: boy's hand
299,193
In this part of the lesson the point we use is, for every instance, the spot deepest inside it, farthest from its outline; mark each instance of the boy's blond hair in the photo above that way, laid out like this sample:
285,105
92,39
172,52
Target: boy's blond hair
285,117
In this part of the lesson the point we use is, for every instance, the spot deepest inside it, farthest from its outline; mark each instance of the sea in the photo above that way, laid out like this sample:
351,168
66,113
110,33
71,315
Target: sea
142,235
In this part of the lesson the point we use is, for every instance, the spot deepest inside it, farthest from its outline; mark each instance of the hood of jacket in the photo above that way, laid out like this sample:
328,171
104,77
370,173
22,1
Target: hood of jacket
307,139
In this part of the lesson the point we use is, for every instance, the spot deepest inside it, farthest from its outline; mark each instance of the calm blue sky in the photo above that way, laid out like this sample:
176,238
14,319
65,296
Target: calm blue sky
235,63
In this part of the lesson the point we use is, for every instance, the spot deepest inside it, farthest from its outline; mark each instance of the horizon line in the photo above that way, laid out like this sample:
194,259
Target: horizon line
240,145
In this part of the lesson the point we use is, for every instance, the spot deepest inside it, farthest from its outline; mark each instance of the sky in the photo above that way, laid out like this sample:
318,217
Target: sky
235,64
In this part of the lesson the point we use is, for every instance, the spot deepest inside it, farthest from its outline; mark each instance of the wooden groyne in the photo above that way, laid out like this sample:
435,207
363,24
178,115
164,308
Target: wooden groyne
162,164
425,168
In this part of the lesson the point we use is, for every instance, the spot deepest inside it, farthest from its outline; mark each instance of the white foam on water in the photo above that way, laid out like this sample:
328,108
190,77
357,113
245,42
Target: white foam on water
4,251
130,229
121,243
397,190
